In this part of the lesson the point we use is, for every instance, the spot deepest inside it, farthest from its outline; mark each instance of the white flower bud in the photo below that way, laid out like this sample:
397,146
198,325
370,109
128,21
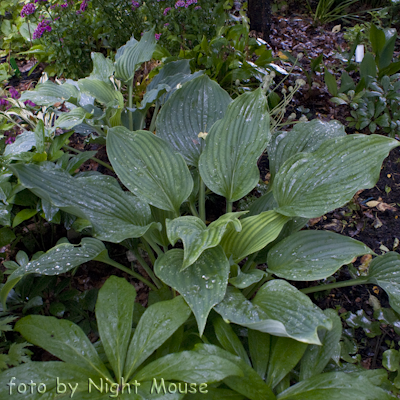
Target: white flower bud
300,82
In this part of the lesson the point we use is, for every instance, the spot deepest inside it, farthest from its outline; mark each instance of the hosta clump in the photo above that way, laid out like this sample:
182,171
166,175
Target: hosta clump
203,142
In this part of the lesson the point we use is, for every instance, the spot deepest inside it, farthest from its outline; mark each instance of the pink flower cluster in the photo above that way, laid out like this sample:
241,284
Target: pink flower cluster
135,5
157,35
180,3
14,93
27,9
190,2
42,27
165,12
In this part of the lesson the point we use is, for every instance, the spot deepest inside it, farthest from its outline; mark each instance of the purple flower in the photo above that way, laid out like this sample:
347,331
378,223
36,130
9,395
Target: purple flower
29,103
14,93
197,8
167,24
27,9
10,140
166,10
157,35
42,27
4,102
38,1
180,3
135,5
190,2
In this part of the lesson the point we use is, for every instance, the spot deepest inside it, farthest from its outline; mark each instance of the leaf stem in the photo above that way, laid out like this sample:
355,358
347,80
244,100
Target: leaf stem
193,209
154,117
92,158
335,285
248,292
153,245
148,270
130,103
149,251
202,200
249,263
228,206
129,271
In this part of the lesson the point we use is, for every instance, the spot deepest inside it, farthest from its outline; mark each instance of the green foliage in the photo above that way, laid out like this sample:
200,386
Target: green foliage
329,10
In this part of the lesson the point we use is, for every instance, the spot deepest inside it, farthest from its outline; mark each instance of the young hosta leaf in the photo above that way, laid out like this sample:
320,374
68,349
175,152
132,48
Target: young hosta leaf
316,357
189,366
191,110
103,68
115,215
259,346
202,285
229,340
336,386
157,324
65,340
283,302
45,373
311,184
384,271
305,137
57,260
49,93
114,311
149,168
101,91
75,117
285,355
250,384
228,164
246,279
134,54
313,255
256,233
196,237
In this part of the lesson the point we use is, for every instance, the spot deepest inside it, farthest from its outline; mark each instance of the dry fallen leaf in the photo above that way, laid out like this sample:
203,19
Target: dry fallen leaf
336,28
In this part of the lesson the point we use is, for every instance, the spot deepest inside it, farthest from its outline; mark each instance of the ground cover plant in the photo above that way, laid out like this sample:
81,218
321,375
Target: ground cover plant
206,277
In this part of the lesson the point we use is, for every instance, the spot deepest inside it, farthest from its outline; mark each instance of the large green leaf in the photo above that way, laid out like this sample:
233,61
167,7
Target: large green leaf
115,215
228,164
336,386
156,325
149,168
311,184
384,271
191,110
47,373
278,309
196,237
49,93
283,302
250,384
58,260
316,357
202,285
259,347
285,355
114,311
305,137
189,366
134,55
312,255
75,117
256,233
64,339
101,91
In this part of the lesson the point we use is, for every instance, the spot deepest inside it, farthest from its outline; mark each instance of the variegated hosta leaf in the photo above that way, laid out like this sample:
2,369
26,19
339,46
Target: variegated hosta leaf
49,93
103,68
311,184
149,168
191,110
305,137
196,237
58,260
202,285
115,215
384,271
101,91
313,255
256,233
228,164
134,55
279,309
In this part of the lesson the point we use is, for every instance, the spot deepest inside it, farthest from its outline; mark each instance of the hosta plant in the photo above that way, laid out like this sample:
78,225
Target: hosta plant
207,144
